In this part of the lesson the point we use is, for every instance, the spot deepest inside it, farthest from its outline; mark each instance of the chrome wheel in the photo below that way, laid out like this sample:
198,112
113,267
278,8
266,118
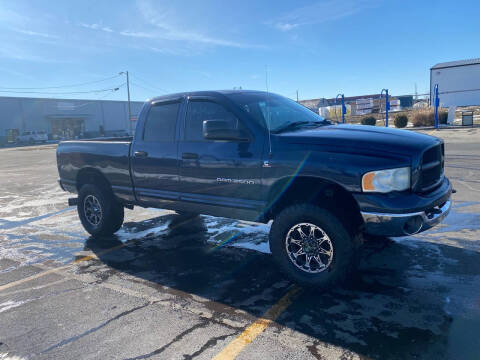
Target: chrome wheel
92,210
309,248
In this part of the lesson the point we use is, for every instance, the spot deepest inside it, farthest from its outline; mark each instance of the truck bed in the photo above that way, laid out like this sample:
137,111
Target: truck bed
108,157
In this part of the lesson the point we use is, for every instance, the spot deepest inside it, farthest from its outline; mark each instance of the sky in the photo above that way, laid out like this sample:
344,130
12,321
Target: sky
320,48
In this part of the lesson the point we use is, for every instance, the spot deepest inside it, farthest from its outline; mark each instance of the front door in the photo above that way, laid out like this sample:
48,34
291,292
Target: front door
224,176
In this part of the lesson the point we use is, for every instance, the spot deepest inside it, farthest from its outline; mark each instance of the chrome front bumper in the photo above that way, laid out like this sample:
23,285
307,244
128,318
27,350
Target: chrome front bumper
386,224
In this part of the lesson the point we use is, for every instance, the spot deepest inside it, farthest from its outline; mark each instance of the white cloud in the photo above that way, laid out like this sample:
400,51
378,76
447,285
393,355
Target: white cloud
17,22
166,29
35,33
12,17
138,34
285,26
320,12
15,53
97,27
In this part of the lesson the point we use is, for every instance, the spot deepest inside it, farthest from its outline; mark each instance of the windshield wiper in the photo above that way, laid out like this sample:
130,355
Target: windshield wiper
297,124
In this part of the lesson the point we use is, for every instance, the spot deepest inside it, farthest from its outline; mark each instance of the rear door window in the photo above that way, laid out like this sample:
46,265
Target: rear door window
160,123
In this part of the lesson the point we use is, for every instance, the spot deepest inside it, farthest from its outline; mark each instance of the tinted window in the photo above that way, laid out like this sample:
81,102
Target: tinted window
161,120
198,111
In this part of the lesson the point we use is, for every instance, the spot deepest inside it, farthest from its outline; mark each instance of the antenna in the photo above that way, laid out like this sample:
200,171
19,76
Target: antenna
268,114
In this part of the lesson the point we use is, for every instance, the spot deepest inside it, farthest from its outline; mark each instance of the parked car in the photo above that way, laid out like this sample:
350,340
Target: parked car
258,156
32,137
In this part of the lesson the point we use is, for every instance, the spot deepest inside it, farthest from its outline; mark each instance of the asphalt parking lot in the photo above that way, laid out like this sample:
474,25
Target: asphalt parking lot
164,286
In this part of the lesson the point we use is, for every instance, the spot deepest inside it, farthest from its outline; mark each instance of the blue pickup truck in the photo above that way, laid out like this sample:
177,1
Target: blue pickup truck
258,156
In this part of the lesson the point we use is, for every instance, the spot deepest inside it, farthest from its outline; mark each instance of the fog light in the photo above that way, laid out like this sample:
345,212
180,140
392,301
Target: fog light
413,225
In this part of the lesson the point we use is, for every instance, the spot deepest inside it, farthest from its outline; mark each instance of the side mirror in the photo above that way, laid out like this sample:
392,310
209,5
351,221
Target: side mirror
222,130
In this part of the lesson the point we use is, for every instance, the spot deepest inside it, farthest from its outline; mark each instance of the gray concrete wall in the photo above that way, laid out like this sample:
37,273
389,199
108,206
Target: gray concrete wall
27,114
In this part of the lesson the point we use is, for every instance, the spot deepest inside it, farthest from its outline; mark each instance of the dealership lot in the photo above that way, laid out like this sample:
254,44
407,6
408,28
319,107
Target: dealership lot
177,288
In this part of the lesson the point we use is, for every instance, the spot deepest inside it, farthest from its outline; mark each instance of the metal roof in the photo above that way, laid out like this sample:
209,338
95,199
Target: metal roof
456,63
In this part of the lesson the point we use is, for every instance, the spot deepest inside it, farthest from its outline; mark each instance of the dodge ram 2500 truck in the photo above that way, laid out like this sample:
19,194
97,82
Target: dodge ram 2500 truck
258,156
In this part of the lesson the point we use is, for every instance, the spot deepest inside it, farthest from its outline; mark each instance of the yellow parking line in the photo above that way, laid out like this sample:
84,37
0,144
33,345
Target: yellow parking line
52,271
29,278
84,258
250,333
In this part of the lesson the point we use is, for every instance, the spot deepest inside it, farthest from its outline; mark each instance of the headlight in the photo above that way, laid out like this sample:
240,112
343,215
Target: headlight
384,181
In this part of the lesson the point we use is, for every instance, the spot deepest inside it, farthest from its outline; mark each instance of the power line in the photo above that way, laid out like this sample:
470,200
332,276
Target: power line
145,88
60,86
95,100
63,93
154,87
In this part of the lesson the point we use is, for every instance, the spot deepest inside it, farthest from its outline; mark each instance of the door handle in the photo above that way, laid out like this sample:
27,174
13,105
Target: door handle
140,154
189,156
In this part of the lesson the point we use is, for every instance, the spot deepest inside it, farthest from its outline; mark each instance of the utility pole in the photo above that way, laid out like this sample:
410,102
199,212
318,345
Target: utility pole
129,108
297,96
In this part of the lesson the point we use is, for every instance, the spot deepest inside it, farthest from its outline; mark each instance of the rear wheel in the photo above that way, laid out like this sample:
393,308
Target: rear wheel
99,211
312,246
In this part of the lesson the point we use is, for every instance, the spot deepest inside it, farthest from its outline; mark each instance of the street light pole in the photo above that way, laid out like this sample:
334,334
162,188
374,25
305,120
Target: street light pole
129,108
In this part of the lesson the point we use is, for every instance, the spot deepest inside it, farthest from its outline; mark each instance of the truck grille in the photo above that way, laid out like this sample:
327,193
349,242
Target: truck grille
432,168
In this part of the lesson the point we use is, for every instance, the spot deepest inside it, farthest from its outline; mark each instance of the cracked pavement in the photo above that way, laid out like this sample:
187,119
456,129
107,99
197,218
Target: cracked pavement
161,288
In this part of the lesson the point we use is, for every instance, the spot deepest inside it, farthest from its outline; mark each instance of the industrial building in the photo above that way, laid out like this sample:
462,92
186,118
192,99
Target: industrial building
458,82
65,118
358,105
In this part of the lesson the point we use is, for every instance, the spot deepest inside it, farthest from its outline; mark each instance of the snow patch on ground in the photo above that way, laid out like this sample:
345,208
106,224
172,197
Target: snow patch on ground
18,255
10,305
125,235
6,356
240,234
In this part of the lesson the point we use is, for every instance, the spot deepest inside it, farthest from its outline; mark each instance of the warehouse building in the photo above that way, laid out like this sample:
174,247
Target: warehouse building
458,82
65,118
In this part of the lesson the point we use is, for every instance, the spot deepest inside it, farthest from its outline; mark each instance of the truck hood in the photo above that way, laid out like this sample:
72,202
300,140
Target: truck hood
363,137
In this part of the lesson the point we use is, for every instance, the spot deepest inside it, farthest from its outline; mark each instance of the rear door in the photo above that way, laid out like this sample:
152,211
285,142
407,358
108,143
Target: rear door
220,176
154,160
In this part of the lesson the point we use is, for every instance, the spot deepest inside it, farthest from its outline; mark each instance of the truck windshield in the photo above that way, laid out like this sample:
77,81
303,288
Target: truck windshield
281,113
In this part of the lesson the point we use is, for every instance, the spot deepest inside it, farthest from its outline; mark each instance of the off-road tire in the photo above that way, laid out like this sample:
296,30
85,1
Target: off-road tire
112,212
343,261
187,214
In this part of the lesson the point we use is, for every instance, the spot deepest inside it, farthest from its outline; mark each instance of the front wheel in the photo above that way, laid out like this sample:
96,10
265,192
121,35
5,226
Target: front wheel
99,211
312,246
187,214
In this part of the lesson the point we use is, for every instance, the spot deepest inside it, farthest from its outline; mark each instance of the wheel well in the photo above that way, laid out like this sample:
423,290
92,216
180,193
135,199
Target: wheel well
324,193
94,177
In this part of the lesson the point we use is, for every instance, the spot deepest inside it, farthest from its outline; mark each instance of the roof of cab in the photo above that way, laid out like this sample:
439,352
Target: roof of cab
203,93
